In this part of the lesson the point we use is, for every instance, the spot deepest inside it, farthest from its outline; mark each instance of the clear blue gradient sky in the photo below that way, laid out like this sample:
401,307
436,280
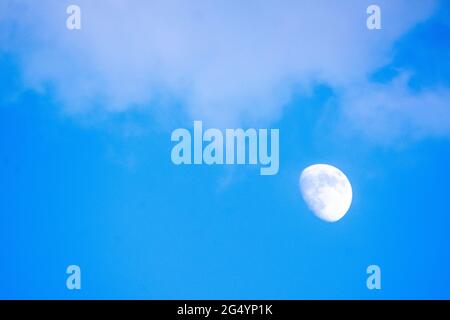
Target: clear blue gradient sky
86,176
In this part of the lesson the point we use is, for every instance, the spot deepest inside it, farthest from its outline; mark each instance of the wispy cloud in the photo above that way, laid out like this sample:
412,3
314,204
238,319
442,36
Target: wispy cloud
391,111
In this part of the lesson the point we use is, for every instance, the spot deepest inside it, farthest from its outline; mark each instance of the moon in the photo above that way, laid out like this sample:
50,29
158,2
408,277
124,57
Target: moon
326,191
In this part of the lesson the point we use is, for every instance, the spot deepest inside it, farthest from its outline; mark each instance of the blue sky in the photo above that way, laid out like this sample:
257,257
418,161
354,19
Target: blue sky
86,176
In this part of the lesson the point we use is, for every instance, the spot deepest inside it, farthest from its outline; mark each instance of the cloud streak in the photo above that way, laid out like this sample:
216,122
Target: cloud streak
392,111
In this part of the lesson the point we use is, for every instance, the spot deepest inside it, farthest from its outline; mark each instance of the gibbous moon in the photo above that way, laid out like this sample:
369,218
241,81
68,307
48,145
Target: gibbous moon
327,191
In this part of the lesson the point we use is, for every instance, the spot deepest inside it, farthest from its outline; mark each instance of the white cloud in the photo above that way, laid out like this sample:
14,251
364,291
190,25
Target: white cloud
388,112
224,61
